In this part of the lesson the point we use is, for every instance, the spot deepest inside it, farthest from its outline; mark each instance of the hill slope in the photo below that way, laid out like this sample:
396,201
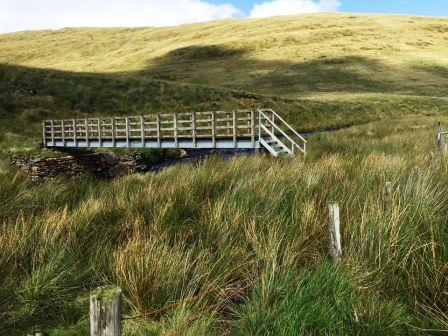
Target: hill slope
325,55
320,71
235,247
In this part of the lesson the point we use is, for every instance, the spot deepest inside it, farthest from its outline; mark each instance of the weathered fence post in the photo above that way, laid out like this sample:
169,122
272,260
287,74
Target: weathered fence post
105,311
387,195
335,233
388,191
432,158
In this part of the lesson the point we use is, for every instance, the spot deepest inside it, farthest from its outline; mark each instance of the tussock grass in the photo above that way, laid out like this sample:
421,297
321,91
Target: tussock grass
239,246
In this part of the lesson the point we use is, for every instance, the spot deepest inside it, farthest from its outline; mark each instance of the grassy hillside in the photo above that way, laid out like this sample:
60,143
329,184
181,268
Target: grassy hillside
323,56
319,71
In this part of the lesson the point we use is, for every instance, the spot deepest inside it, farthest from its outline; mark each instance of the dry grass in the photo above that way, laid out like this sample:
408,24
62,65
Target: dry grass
316,56
189,237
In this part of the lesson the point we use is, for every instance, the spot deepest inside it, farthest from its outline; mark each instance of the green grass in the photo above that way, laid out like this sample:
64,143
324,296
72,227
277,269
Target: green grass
237,247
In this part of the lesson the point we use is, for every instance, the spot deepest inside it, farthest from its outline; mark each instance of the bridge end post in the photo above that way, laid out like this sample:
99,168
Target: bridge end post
44,135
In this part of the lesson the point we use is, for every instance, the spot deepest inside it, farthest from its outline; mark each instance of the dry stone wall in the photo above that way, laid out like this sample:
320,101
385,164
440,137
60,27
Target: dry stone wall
102,165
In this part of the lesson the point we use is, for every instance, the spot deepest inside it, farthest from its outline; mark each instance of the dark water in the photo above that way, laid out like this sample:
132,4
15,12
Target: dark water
199,155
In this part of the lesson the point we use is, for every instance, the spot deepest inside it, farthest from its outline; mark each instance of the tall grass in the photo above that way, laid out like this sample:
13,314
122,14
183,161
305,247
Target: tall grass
238,246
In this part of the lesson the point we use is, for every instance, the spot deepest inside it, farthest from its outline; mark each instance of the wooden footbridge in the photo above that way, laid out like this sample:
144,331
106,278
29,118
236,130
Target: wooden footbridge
239,129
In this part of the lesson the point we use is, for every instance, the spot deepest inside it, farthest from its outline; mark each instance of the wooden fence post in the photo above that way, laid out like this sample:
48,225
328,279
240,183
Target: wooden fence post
432,158
387,195
388,190
105,311
335,234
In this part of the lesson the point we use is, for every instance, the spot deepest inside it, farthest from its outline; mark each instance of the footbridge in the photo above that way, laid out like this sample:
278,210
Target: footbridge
239,129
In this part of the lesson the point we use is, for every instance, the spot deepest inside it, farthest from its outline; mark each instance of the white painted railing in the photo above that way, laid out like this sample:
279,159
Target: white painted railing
274,126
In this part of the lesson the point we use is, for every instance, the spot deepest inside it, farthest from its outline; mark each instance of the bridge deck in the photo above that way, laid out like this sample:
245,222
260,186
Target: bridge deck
186,143
234,129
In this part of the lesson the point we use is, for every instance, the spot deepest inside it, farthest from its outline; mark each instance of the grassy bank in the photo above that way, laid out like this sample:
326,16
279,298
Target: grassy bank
239,247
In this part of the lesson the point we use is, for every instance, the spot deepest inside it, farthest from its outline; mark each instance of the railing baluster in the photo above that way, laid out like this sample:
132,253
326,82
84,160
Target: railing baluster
113,131
234,129
127,132
100,135
142,131
75,139
87,132
176,140
213,130
252,127
158,131
63,132
194,130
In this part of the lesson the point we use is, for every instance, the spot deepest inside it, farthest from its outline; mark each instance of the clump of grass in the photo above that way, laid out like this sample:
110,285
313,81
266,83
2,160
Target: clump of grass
325,301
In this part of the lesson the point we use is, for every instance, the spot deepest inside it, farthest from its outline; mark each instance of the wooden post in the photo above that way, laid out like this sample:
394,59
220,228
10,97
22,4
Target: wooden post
388,191
158,131
213,129
44,134
127,131
387,195
439,137
87,132
142,131
176,140
252,127
234,128
194,130
228,130
105,311
258,151
113,131
432,158
52,132
100,135
335,234
63,132
75,139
